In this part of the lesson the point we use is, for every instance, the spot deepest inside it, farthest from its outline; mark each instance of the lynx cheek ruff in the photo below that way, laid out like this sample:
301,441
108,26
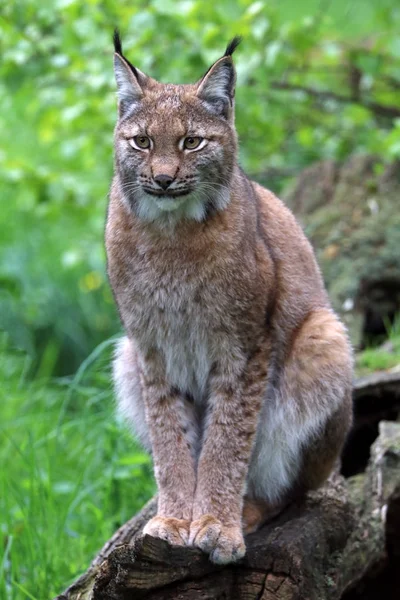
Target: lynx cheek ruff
235,372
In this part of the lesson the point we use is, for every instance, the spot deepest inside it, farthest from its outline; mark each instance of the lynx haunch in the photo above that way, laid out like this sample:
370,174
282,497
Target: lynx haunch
235,373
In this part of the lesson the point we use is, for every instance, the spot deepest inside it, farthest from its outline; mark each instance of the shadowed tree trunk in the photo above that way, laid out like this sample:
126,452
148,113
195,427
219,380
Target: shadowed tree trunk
319,549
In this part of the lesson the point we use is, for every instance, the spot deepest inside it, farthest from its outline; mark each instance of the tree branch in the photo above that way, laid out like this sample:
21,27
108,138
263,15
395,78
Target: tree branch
380,110
316,549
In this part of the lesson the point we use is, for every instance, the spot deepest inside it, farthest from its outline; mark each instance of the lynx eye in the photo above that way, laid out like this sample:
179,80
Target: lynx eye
140,142
190,143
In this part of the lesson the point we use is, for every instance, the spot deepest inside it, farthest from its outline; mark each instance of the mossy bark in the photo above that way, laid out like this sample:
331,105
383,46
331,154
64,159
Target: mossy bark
350,213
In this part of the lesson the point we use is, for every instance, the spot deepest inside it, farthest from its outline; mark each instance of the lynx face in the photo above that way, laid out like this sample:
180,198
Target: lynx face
175,145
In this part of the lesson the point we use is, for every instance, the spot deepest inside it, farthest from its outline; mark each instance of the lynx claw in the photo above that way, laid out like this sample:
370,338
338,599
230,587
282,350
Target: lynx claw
174,531
223,543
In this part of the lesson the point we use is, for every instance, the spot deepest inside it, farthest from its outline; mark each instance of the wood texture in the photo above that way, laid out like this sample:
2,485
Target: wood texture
316,550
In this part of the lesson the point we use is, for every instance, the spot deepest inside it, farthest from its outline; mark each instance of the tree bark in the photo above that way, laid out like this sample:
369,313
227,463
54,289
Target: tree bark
316,550
377,385
376,398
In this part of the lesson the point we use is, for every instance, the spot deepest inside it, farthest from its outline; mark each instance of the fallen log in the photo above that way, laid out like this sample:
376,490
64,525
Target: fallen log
376,398
316,550
378,384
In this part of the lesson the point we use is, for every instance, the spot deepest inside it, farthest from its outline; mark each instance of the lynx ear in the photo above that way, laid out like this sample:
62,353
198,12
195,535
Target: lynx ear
130,81
217,87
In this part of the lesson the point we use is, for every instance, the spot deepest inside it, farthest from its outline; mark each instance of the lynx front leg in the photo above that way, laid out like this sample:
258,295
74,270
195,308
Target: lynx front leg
173,462
235,405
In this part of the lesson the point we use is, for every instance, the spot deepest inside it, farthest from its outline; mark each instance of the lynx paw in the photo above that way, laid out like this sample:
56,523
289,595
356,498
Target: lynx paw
174,531
223,543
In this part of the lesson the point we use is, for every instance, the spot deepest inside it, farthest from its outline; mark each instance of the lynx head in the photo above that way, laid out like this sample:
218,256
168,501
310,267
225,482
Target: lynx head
175,145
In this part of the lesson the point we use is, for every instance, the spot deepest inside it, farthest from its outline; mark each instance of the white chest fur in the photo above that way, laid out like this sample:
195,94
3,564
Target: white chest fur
168,312
187,353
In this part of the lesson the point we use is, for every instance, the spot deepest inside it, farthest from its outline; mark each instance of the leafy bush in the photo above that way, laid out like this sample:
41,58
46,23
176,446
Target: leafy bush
316,80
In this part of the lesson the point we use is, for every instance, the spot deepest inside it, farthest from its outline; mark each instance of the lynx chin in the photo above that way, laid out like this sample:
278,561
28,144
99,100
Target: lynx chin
235,373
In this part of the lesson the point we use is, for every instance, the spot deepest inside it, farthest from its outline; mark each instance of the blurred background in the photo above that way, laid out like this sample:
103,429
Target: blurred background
318,117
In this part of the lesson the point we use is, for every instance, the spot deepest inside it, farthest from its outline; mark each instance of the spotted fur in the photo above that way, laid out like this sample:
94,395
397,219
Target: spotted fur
235,372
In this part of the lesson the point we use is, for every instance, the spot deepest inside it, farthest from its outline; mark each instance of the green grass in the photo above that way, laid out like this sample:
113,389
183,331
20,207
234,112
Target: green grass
377,359
70,475
383,357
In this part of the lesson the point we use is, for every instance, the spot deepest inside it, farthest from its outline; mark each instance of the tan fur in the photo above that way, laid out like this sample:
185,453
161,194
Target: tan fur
235,371
257,512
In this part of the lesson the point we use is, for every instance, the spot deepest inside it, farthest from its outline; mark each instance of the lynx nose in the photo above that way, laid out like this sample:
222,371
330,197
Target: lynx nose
163,181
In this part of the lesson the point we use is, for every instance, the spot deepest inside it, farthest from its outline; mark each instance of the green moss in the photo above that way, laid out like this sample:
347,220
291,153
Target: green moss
356,235
381,359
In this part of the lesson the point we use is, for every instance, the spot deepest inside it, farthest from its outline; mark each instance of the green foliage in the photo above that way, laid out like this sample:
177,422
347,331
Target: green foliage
70,476
57,111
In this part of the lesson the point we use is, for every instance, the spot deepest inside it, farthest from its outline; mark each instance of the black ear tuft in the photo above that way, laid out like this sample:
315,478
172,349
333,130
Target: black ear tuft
117,42
231,47
118,50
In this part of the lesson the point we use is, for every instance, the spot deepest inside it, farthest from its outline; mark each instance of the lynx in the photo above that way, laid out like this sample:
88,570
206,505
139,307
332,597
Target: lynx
235,373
